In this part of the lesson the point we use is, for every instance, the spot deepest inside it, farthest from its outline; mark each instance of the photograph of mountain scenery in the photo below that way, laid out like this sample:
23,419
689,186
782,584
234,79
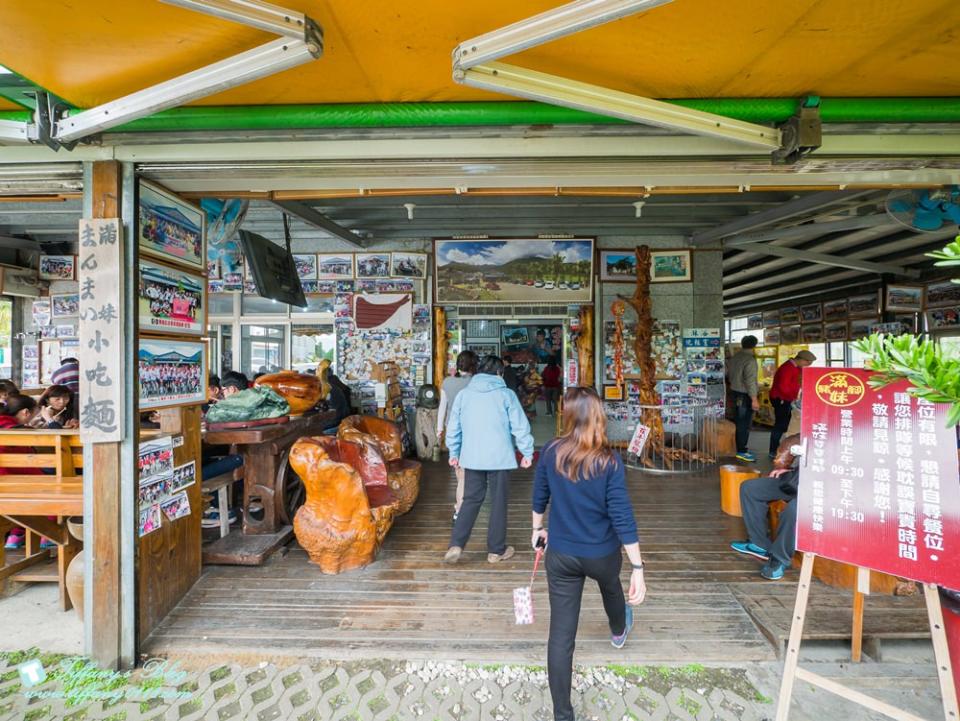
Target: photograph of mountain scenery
510,271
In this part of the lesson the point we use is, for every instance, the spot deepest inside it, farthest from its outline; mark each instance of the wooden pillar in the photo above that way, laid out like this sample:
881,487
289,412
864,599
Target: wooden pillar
440,345
585,352
107,536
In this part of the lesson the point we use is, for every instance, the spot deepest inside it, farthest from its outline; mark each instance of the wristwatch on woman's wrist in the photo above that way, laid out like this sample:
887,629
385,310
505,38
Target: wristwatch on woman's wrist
636,567
538,528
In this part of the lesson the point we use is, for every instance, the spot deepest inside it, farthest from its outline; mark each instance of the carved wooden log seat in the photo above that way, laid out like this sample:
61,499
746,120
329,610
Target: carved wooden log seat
403,473
349,506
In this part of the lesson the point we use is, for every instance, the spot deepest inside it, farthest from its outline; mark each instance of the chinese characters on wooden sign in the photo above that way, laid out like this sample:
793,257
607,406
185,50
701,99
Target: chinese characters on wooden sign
878,483
101,331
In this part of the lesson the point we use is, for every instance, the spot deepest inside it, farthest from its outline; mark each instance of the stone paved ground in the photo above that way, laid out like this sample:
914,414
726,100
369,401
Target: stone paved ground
371,691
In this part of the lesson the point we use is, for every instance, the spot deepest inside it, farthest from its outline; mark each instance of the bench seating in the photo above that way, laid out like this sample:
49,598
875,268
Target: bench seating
28,500
403,474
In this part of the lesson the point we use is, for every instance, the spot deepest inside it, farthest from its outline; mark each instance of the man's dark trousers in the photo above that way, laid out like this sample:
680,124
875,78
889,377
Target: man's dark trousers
755,497
782,413
565,578
743,418
474,491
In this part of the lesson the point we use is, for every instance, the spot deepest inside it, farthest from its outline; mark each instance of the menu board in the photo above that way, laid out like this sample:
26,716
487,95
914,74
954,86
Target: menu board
878,480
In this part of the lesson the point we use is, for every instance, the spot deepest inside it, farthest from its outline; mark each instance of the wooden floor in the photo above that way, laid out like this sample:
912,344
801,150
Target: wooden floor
409,605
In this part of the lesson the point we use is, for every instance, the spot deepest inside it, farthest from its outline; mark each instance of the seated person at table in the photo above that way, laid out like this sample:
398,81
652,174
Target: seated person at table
755,497
18,412
233,382
58,409
68,374
7,388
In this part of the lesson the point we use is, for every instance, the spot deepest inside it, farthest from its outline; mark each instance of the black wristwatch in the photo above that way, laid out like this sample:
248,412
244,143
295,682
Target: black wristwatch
636,567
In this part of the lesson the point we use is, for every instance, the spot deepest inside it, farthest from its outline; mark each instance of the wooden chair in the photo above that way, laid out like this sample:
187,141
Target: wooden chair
349,506
403,474
29,500
221,485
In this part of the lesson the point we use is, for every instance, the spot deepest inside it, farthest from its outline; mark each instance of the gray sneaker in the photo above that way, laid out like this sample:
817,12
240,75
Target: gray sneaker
453,554
497,557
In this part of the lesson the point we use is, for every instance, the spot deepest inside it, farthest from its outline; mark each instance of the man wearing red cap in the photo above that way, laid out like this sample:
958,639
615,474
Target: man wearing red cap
785,390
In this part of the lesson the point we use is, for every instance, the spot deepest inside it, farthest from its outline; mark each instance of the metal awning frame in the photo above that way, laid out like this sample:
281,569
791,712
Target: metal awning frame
300,41
474,64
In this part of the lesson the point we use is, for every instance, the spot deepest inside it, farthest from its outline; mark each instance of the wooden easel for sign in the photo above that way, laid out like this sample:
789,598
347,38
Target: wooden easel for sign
792,672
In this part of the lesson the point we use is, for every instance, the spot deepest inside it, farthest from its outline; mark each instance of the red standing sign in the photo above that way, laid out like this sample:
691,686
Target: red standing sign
879,485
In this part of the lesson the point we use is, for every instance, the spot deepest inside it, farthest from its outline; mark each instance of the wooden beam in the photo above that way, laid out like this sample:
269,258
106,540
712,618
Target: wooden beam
104,481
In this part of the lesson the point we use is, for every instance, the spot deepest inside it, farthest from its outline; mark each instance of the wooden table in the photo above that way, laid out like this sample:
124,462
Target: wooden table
272,492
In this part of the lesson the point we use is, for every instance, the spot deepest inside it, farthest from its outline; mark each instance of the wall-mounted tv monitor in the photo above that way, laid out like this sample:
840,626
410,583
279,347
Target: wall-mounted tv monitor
273,269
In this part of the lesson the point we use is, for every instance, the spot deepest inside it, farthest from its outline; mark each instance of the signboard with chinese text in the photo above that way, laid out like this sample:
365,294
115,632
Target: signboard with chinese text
878,483
101,330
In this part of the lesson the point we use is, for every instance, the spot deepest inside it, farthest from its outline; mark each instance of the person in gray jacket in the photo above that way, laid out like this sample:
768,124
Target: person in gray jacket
744,386
449,390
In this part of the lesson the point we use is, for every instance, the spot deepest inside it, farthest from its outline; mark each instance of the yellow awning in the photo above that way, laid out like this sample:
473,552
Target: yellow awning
390,51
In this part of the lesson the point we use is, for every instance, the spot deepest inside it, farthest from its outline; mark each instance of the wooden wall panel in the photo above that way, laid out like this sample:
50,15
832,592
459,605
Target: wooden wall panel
168,560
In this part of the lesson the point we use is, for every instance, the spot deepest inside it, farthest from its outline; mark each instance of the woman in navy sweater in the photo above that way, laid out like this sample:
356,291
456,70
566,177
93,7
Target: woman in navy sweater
590,519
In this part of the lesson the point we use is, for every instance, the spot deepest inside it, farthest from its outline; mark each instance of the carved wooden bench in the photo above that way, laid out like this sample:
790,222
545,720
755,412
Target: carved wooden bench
29,500
403,474
349,506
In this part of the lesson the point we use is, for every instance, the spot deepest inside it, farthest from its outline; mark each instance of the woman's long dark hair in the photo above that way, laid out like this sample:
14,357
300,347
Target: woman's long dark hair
16,403
466,362
582,448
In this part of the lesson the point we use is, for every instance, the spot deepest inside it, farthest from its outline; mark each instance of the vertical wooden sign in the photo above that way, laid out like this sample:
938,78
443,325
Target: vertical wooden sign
101,330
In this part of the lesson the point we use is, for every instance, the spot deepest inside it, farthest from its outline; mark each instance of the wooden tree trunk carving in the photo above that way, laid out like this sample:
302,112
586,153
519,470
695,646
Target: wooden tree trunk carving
643,352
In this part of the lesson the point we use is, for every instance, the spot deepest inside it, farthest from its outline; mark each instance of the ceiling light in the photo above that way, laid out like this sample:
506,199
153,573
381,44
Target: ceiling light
638,208
409,207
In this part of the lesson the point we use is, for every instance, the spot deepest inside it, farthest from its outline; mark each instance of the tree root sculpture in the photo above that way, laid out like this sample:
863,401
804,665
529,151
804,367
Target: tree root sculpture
643,351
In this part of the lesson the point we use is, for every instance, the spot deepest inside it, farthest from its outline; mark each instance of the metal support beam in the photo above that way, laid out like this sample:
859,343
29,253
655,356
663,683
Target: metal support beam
836,261
542,87
803,205
473,64
13,132
549,25
256,14
813,230
318,220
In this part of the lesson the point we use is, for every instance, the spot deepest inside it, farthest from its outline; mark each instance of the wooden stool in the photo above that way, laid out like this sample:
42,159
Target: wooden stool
221,486
727,438
731,477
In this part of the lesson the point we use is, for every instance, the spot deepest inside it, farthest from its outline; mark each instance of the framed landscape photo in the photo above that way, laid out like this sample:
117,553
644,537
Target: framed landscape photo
22,282
811,333
789,334
306,264
941,294
755,321
811,313
170,300
618,266
860,327
864,306
170,228
771,336
171,372
57,267
517,270
771,318
408,265
373,265
834,310
904,297
334,266
907,321
836,331
671,266
789,315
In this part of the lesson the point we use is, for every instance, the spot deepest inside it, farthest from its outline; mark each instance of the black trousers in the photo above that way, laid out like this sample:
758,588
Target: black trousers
565,578
743,419
782,413
474,492
755,497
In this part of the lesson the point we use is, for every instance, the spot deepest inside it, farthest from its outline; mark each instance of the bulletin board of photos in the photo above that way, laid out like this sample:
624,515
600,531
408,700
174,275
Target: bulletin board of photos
55,318
329,273
858,316
171,353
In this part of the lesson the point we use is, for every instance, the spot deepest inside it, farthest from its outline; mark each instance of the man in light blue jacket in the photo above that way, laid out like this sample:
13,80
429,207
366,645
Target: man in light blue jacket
485,421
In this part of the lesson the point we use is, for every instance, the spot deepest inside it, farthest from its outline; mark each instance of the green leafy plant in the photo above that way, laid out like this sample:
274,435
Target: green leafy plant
932,371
